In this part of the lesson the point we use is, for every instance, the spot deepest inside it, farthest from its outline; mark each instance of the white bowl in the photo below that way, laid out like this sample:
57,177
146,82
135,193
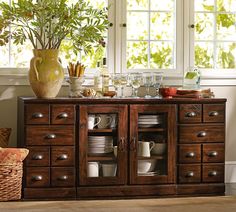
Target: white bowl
159,149
145,166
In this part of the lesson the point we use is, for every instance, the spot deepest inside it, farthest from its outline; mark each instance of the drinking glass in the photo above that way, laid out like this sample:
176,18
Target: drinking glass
115,78
157,81
123,83
135,80
147,82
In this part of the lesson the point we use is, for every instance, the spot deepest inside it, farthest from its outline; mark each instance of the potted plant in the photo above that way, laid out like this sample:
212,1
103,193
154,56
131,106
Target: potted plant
46,24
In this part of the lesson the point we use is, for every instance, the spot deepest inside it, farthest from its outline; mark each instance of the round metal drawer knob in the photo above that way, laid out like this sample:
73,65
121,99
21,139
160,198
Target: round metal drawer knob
63,115
37,115
63,178
213,154
37,178
202,134
51,136
190,174
191,114
190,155
212,173
213,113
37,157
63,157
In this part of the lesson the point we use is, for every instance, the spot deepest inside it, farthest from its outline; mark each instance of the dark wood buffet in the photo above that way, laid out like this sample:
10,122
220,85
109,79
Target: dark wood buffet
122,148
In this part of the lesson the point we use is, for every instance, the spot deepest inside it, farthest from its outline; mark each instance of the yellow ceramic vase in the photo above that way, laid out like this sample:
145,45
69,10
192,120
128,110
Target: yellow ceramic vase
46,73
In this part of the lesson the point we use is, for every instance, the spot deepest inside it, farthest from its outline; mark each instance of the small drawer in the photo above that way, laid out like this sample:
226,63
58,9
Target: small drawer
62,156
63,114
190,113
37,177
190,153
213,113
37,114
203,133
38,156
213,153
63,177
50,135
213,173
189,173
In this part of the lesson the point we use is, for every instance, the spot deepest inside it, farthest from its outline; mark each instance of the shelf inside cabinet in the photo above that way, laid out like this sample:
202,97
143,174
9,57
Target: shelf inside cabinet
101,130
151,129
101,157
158,157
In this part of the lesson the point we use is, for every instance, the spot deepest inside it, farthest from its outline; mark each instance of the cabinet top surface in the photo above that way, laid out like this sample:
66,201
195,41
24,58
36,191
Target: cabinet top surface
122,100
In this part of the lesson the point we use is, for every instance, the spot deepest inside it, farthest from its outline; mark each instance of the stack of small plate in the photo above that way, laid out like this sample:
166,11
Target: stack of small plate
149,120
100,144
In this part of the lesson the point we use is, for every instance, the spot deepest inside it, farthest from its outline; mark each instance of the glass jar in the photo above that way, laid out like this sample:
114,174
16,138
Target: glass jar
192,78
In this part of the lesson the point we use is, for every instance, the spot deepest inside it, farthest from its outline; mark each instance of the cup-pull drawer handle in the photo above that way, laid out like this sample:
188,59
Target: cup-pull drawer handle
37,178
37,115
51,136
213,113
202,134
37,157
213,154
190,114
63,115
212,173
190,174
63,157
63,178
190,154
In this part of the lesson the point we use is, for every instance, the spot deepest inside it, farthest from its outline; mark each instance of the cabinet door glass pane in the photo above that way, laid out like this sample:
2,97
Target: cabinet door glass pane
152,145
102,145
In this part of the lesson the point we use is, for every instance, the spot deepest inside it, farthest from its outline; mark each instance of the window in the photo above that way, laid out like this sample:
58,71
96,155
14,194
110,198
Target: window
214,34
157,35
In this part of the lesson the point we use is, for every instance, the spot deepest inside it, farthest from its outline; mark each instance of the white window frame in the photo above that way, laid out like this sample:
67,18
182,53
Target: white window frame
171,73
116,50
208,77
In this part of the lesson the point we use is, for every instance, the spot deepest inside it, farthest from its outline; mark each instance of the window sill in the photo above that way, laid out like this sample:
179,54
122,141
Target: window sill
22,80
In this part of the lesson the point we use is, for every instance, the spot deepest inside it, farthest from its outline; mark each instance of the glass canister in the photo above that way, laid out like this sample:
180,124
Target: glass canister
192,78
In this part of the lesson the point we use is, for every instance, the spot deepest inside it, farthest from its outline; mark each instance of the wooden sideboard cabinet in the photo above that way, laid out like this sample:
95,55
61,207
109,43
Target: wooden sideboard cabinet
133,148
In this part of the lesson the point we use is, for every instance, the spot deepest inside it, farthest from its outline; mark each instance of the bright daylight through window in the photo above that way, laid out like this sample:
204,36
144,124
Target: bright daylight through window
154,35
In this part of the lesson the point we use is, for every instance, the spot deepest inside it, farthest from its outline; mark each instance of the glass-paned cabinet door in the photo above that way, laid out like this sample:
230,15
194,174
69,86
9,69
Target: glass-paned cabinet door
152,144
102,144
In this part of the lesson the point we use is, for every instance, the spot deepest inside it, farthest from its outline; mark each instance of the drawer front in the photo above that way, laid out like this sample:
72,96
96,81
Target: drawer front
62,156
190,153
213,153
63,177
37,177
190,113
38,156
213,173
50,135
189,173
37,114
214,113
207,133
63,114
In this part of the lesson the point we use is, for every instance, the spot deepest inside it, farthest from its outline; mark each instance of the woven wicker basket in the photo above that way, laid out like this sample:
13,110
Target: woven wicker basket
11,181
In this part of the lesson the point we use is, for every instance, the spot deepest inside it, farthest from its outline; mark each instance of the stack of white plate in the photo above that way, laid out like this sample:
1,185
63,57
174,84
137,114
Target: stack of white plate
100,144
149,120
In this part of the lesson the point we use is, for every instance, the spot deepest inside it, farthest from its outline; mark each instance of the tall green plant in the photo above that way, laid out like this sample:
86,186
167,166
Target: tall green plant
47,23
